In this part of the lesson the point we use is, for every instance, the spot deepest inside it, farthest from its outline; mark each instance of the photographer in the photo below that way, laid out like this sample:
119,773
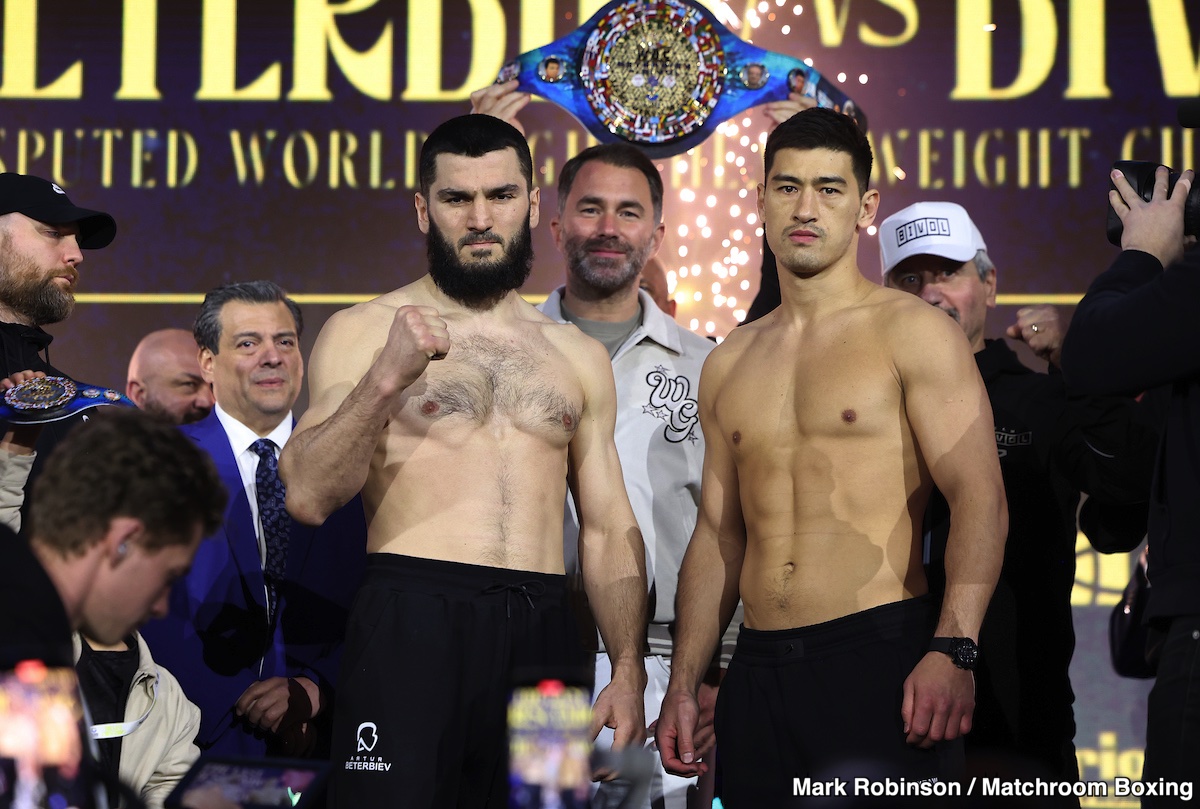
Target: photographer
1136,329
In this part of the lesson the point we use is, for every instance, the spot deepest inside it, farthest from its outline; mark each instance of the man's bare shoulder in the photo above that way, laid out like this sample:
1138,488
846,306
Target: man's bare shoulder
730,356
921,340
580,350
904,319
414,294
527,311
377,312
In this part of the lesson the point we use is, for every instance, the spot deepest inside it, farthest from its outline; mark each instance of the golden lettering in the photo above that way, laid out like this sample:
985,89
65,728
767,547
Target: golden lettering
573,145
485,56
141,157
107,138
536,139
907,9
1129,142
589,7
1187,148
927,157
317,42
1023,161
341,160
139,51
413,141
1176,57
1039,38
1044,159
1074,136
981,154
1087,76
885,153
252,155
536,25
375,166
175,137
312,158
20,58
56,157
218,59
25,155
1167,153
1130,763
960,158
317,37
1107,761
831,21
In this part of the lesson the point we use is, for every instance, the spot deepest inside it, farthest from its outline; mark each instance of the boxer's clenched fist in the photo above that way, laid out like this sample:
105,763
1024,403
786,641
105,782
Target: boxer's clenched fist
417,335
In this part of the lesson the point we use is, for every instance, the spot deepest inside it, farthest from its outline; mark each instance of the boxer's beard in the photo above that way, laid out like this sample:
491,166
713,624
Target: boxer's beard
30,290
479,284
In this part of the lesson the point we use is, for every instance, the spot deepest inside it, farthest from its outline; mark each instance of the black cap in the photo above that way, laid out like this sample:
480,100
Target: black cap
46,202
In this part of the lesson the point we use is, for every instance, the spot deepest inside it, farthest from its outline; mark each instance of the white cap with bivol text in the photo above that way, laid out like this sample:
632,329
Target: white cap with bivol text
928,228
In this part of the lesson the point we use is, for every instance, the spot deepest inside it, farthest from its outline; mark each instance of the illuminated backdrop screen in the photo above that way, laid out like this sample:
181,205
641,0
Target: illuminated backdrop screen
279,139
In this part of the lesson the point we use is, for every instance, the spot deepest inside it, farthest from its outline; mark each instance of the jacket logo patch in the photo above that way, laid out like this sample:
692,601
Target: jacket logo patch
1008,439
669,401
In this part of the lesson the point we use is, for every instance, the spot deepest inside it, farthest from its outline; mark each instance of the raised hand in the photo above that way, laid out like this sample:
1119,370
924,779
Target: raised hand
501,101
1040,329
417,336
780,111
1155,227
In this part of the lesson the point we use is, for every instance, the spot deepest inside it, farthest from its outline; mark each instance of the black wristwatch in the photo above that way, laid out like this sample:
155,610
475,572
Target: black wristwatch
962,651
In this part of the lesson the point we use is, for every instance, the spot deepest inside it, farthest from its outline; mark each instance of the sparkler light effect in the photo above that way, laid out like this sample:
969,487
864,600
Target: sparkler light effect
713,245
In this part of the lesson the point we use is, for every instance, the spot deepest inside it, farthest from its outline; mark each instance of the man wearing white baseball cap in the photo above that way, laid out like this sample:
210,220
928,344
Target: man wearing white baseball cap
42,239
1051,446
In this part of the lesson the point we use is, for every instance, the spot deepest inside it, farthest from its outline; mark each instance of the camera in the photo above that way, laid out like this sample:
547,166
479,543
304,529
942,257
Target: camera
1140,175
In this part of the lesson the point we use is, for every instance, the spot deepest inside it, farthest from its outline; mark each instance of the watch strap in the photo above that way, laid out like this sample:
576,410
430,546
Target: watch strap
964,652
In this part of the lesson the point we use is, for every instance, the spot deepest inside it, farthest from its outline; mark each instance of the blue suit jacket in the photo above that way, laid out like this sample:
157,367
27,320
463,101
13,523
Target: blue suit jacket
216,638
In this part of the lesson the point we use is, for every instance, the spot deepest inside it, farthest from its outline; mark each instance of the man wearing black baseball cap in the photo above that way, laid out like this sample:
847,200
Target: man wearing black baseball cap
42,238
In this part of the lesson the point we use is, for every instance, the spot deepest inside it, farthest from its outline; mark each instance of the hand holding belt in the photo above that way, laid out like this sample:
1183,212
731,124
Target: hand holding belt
53,398
663,74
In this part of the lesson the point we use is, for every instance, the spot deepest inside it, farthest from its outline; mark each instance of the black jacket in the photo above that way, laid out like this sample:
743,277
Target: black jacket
34,623
1138,328
1052,447
20,350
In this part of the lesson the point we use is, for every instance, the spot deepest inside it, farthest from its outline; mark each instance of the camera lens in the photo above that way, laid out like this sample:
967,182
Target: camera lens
1140,174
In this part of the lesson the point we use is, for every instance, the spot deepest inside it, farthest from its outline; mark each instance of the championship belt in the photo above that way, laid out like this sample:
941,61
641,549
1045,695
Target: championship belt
663,74
53,398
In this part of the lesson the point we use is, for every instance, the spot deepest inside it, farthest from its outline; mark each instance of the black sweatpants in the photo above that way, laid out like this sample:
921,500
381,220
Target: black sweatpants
431,650
823,702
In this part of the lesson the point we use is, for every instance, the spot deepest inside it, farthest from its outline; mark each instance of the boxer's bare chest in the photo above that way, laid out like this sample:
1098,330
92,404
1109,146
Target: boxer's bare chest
498,382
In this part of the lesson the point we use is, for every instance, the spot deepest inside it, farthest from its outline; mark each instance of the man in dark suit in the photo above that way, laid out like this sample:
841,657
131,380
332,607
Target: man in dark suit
254,631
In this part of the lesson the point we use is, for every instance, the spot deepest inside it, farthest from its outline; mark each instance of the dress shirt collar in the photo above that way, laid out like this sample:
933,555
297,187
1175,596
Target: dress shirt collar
656,324
242,438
